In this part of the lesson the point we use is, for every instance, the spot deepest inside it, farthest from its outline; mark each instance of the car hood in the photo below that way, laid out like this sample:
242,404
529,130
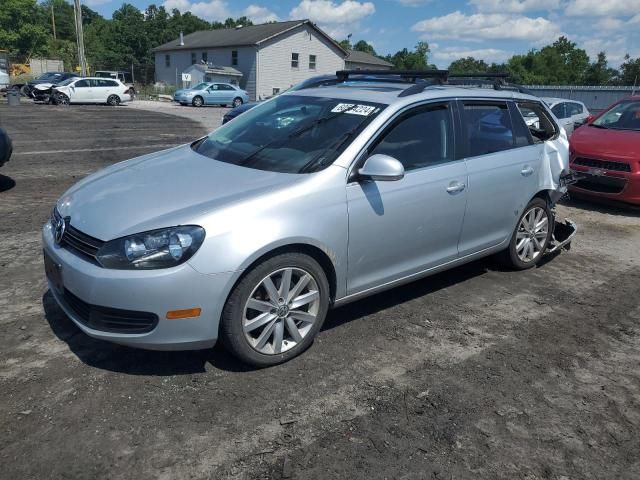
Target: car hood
607,143
162,189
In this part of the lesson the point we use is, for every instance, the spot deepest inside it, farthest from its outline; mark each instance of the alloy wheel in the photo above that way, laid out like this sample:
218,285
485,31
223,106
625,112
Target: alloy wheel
532,234
237,102
197,102
281,311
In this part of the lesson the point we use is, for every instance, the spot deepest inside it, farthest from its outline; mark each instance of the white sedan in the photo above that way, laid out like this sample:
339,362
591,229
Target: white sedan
91,90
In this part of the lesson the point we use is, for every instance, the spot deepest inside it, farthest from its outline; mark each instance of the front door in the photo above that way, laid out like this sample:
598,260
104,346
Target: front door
82,91
402,227
503,164
213,95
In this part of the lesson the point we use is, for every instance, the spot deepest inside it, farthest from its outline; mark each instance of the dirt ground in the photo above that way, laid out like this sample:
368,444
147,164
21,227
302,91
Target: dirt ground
474,373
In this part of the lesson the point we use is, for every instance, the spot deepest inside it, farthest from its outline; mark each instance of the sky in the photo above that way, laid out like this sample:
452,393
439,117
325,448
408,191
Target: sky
492,30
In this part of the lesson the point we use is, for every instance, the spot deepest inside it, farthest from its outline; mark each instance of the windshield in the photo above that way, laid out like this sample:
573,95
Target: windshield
289,134
200,86
49,76
106,75
66,82
623,116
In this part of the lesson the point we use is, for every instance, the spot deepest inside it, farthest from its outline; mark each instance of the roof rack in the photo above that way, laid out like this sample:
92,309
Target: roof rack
410,76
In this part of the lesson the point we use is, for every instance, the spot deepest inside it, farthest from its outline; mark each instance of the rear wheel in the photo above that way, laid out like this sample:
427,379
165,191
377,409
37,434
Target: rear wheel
113,100
276,310
237,102
531,236
197,101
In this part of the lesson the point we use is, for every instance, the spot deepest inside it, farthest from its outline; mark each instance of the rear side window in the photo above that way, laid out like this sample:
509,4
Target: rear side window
574,109
420,138
106,83
559,110
488,128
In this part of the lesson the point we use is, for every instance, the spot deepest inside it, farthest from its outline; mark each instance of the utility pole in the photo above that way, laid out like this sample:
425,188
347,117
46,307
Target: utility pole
53,22
77,10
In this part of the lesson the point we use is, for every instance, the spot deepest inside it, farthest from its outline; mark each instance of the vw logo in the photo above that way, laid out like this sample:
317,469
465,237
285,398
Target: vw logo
58,231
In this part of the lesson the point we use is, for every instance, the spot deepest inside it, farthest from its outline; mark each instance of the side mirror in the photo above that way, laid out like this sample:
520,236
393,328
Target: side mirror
590,118
382,168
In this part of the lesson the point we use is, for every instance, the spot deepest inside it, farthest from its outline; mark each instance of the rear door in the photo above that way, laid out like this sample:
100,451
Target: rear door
502,164
400,228
563,113
227,93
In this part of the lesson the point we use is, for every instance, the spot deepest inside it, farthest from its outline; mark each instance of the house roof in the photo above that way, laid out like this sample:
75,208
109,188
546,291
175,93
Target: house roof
219,69
235,37
364,57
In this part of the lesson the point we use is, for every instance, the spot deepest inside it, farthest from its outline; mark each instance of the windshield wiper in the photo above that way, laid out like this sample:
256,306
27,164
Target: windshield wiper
599,126
294,134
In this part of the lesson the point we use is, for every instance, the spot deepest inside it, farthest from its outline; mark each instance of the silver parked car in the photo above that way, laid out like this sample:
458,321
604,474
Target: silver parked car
570,113
309,200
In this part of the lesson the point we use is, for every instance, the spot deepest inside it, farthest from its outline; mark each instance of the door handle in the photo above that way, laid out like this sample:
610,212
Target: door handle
455,187
526,171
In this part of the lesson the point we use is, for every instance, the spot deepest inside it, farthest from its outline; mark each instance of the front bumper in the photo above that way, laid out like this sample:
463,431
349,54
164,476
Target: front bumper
152,291
610,185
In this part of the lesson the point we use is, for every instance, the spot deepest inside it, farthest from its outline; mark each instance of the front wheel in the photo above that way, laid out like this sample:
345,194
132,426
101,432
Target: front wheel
197,101
276,310
113,100
531,236
61,99
237,102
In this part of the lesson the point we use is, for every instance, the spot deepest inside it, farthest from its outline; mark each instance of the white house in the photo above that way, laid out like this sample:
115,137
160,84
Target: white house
271,57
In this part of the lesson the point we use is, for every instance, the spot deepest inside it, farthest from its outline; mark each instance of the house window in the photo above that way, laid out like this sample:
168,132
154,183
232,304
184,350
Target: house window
193,58
275,91
312,62
294,60
204,57
234,57
167,60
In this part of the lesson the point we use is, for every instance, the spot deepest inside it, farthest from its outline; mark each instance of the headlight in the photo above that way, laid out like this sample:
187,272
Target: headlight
162,248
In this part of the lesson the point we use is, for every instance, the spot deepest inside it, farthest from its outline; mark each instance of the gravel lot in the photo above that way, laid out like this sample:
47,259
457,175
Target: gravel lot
473,373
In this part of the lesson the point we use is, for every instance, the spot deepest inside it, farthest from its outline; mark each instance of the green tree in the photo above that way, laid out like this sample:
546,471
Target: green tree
414,60
22,28
599,72
630,71
469,65
363,46
345,44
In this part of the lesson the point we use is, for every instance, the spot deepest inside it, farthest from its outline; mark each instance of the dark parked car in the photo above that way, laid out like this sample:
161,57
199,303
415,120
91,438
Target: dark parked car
49,78
5,147
234,112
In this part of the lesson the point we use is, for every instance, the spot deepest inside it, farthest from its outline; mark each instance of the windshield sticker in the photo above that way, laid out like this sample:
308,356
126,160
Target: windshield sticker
364,110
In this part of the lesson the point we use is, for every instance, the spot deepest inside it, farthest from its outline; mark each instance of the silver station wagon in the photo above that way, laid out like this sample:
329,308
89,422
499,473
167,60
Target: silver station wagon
310,200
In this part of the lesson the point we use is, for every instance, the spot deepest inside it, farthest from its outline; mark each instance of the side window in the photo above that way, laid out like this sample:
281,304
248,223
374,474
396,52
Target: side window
574,109
489,128
226,87
538,121
111,83
82,84
520,128
420,138
559,110
215,86
103,83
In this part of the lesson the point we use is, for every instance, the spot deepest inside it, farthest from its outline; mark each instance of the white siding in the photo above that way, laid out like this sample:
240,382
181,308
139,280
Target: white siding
181,60
274,59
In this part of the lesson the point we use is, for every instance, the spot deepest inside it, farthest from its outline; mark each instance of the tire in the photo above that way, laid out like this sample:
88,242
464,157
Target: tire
237,102
197,101
113,100
276,320
61,99
527,244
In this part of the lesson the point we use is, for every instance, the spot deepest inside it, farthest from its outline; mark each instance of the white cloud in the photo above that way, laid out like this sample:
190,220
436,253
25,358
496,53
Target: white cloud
329,12
602,7
494,26
515,6
212,10
182,5
447,55
259,14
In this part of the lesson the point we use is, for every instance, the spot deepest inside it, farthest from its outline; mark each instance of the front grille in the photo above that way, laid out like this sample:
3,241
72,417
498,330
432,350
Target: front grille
76,241
601,184
603,164
107,319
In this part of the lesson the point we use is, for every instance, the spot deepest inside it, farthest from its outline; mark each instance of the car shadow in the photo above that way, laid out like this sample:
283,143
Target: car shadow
601,205
6,183
133,361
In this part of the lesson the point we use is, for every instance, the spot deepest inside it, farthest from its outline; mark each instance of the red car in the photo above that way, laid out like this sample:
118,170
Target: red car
606,151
